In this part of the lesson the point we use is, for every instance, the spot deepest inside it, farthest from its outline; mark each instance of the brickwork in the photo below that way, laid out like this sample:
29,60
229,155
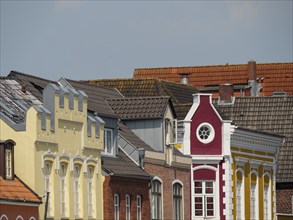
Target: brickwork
284,201
168,175
123,186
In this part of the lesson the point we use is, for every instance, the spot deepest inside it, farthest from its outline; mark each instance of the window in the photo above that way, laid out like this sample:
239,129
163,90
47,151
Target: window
63,169
177,201
76,190
253,196
3,217
47,174
108,148
171,131
239,194
8,158
127,203
156,202
267,197
204,198
138,207
90,173
116,207
205,133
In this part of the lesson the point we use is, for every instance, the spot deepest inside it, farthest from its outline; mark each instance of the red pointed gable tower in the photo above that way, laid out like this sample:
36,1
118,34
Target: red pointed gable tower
206,135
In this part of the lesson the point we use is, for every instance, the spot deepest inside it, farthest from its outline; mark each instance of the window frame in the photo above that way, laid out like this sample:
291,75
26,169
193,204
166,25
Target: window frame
107,149
48,184
203,195
240,202
116,206
90,174
63,188
138,207
177,200
127,206
8,163
76,189
156,200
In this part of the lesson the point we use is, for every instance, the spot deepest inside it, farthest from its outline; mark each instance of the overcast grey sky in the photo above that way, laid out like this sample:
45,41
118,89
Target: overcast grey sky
108,39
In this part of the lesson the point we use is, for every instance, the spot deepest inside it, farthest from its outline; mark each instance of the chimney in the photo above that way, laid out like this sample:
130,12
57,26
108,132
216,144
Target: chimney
184,78
23,88
252,82
251,66
226,94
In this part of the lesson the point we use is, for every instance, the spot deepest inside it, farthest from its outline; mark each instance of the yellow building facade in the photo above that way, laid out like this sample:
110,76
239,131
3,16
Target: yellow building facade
253,162
58,150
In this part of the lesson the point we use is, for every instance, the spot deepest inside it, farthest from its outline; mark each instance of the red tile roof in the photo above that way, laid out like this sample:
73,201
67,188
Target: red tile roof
276,76
16,190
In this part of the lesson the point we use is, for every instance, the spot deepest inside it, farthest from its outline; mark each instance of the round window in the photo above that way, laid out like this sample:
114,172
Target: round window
205,133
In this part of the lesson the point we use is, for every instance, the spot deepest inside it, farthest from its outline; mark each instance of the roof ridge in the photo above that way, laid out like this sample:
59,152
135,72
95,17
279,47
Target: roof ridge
30,75
205,66
141,97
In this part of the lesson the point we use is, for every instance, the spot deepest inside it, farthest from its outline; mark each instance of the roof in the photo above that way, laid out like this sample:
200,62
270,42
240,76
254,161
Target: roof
140,107
275,76
96,94
15,101
268,114
132,138
15,190
123,166
150,87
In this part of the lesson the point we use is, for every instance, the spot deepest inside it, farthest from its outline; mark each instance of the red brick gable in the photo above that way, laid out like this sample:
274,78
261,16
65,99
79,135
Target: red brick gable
272,76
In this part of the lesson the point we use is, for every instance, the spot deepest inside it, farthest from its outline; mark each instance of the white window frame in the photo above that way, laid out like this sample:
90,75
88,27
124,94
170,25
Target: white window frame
269,197
76,190
8,163
240,206
210,133
127,206
254,198
116,206
204,198
19,217
48,166
90,174
3,217
177,197
156,201
63,191
108,150
138,207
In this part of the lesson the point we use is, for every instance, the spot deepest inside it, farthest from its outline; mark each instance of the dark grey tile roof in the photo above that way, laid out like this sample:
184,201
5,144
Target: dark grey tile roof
14,102
132,138
139,107
269,114
96,94
122,166
179,93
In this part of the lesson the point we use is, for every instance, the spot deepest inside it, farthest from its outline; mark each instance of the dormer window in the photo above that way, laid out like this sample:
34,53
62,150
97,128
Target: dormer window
8,161
108,141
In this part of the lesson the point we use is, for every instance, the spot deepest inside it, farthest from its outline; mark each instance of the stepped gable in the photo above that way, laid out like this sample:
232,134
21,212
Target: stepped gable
269,114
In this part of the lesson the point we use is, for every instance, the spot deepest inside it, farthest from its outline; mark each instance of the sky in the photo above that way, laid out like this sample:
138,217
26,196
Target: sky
109,39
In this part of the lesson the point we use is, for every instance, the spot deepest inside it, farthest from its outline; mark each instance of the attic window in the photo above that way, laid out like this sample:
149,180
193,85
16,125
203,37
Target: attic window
279,93
205,133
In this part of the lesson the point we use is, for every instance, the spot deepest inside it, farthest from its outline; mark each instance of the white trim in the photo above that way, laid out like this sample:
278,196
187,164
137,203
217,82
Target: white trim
211,135
255,163
242,193
19,217
256,193
241,161
204,159
227,188
32,218
205,167
3,216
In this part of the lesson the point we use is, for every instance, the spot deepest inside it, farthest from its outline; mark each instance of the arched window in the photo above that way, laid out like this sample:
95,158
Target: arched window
239,194
19,217
177,201
32,218
90,174
127,206
48,184
156,200
3,217
63,191
267,196
116,206
253,195
76,189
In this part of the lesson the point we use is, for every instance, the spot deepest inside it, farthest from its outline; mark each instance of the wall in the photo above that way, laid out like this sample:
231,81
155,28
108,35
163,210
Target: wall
13,211
123,186
168,175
